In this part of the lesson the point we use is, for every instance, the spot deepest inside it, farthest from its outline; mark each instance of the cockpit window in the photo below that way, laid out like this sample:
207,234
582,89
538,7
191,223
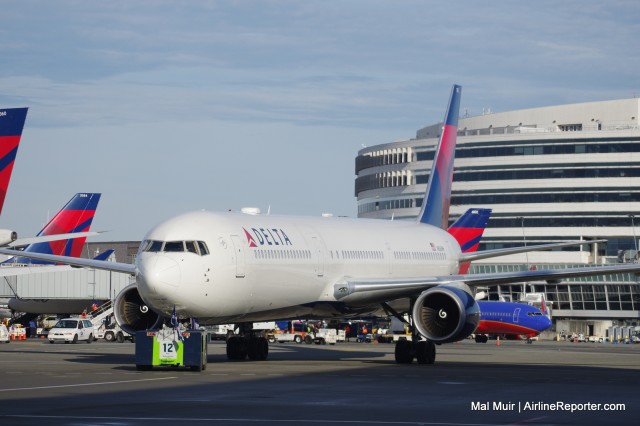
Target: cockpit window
191,246
174,246
152,245
195,247
204,250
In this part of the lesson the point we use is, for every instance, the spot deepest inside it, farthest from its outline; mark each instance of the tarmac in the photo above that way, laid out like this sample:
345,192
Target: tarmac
545,383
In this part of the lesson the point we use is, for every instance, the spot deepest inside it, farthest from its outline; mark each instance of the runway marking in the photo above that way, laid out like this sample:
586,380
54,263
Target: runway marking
86,384
180,420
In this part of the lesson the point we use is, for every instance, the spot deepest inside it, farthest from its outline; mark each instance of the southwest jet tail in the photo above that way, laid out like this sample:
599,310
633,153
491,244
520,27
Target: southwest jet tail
503,318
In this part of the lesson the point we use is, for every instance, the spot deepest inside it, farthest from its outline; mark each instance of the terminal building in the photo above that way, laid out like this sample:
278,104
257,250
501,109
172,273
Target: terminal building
568,172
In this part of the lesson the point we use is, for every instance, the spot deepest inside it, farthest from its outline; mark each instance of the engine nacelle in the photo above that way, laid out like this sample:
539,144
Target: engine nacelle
7,236
446,314
132,314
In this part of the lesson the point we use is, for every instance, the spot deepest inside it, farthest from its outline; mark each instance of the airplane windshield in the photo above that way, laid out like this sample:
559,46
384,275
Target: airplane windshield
195,247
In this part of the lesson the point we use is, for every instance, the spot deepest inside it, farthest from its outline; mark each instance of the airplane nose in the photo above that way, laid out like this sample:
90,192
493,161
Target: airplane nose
158,272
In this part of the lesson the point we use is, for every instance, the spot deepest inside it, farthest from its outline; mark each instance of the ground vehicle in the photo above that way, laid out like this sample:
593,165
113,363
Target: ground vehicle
71,330
296,331
220,331
112,333
325,335
4,334
45,324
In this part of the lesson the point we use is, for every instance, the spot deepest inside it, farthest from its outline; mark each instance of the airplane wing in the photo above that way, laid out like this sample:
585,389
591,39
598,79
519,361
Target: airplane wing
486,254
365,291
45,238
126,268
12,271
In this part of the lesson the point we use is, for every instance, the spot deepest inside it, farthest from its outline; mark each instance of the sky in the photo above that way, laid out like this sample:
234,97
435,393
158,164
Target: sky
170,106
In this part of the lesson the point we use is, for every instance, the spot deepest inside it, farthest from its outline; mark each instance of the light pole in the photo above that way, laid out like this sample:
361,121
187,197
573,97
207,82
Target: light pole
635,242
524,238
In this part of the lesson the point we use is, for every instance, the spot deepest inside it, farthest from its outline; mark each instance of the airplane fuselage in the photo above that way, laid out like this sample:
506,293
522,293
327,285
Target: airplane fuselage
262,267
516,319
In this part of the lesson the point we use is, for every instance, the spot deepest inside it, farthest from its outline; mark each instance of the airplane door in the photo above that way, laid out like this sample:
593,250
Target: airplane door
319,253
238,254
516,315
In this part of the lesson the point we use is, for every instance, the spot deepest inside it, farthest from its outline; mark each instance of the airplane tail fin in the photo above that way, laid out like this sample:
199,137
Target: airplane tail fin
435,206
469,227
75,216
11,125
468,230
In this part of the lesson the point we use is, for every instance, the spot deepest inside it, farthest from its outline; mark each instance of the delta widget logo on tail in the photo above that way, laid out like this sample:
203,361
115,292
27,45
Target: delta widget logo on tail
265,236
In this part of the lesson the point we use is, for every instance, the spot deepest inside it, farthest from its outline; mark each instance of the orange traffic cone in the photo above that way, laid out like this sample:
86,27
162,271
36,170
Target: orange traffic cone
498,341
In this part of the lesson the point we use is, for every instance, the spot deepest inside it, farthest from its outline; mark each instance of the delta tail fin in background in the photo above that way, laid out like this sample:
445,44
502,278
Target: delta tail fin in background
75,217
11,125
468,230
469,227
435,206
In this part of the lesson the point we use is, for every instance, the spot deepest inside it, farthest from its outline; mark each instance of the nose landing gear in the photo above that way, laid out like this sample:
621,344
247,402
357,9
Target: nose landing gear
247,344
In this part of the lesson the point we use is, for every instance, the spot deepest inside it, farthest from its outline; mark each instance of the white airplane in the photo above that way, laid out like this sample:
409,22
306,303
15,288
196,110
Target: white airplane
241,268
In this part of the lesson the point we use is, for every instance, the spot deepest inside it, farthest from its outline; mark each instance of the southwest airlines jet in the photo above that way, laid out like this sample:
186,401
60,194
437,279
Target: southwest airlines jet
513,320
238,268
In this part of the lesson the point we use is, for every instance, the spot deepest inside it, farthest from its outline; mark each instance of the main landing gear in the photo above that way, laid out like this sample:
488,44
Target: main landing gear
424,351
247,344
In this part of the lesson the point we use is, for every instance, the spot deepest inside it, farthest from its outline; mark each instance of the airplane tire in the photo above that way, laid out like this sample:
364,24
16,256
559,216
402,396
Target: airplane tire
425,352
404,352
258,349
237,348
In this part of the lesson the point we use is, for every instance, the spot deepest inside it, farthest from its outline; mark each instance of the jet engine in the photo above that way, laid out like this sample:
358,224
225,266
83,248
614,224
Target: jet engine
445,314
7,236
132,314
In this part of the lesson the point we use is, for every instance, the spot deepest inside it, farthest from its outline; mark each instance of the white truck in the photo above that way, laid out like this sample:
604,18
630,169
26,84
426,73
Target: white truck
112,334
220,331
325,335
224,331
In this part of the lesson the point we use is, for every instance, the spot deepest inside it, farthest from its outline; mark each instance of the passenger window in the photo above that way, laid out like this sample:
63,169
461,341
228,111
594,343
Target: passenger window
173,246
